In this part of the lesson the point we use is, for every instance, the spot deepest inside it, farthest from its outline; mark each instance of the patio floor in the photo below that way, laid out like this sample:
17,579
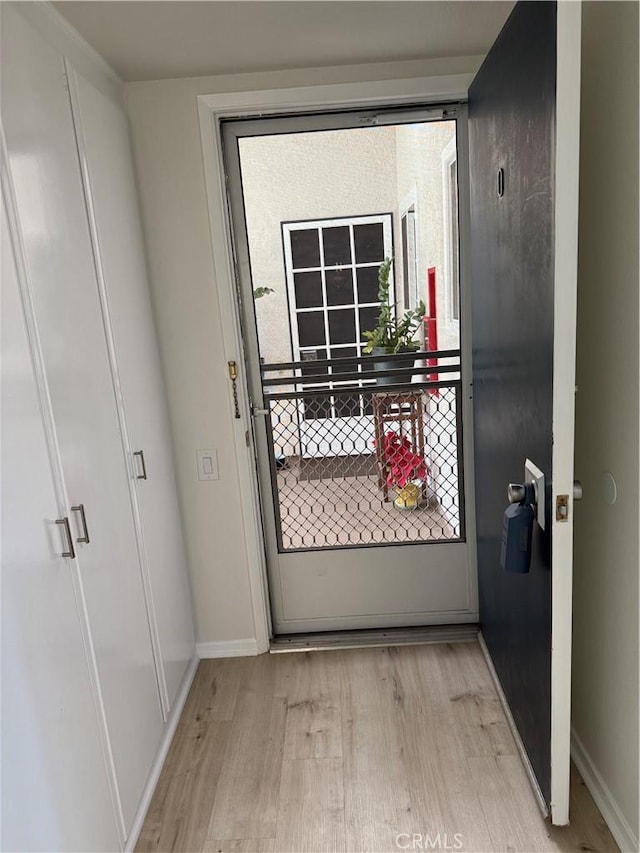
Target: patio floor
351,511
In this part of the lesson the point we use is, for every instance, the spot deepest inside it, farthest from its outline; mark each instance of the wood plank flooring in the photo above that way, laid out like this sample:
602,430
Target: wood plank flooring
354,750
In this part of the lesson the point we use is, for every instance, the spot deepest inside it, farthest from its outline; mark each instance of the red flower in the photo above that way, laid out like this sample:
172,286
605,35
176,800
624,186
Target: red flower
402,464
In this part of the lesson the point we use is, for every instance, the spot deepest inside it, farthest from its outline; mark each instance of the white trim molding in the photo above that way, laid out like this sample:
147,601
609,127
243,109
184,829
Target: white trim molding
618,825
514,729
228,649
447,158
211,110
567,142
161,755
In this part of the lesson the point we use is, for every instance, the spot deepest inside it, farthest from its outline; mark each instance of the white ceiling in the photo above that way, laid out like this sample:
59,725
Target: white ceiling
153,40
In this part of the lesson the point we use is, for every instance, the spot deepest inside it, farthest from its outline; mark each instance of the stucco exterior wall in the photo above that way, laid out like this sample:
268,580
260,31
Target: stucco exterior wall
300,176
419,170
321,175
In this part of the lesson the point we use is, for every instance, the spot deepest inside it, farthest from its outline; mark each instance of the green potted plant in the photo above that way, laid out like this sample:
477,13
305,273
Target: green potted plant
392,334
259,292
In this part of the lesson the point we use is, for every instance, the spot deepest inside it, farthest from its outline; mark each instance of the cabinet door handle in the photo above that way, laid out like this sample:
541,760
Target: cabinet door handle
142,476
83,519
65,523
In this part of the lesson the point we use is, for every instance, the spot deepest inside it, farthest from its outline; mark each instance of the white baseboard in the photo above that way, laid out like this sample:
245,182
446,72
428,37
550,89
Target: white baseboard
163,749
228,649
618,825
542,805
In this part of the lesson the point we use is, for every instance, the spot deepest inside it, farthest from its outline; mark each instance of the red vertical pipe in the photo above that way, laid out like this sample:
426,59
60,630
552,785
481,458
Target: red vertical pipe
431,324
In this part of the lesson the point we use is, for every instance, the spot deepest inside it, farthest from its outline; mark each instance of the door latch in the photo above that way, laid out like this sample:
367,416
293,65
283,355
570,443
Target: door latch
256,411
562,508
233,376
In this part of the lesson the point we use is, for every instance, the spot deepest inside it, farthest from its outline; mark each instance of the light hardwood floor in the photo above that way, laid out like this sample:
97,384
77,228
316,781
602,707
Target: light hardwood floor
354,750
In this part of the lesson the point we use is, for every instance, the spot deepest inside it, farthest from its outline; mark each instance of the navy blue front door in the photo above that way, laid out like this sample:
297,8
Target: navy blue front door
512,106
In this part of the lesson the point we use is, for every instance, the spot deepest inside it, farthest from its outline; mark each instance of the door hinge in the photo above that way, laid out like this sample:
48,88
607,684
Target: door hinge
562,508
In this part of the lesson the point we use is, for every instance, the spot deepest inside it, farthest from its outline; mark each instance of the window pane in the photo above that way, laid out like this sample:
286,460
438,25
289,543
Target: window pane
305,248
308,289
344,365
342,326
337,245
367,284
312,356
368,320
339,287
311,329
367,366
369,242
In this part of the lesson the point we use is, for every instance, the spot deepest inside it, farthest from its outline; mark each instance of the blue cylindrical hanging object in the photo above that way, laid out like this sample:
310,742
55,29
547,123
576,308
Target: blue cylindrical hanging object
515,555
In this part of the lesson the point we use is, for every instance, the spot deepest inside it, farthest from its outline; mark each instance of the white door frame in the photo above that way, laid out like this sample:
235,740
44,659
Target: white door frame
567,174
211,110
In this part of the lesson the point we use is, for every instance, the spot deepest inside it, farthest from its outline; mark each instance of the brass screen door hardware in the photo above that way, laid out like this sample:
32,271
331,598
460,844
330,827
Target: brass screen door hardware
562,508
233,376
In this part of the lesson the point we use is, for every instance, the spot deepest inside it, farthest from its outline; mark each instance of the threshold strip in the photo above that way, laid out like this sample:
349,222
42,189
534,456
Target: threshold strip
327,640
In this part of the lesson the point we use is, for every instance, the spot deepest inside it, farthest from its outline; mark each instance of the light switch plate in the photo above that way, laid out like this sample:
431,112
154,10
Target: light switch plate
532,474
207,464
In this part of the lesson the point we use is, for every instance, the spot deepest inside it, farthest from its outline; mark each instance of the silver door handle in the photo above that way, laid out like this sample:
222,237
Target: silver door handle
83,519
142,476
65,523
516,493
255,412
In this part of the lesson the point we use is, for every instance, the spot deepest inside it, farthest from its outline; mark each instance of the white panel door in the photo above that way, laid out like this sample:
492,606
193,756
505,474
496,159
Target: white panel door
44,168
103,138
55,790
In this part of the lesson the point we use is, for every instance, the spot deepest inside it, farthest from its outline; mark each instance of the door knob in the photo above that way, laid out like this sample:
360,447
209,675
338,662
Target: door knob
518,493
515,493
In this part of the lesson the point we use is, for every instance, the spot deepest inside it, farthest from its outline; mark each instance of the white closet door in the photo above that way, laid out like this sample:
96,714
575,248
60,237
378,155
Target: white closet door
44,167
103,137
55,793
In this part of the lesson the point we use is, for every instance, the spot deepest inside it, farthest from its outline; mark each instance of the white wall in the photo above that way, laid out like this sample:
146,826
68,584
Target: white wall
419,151
166,139
605,661
169,161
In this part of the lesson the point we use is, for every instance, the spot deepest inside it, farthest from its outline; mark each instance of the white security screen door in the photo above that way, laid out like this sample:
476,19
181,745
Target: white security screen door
363,489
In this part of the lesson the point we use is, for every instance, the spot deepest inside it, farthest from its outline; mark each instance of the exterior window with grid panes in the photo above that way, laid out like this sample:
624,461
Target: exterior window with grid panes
332,279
